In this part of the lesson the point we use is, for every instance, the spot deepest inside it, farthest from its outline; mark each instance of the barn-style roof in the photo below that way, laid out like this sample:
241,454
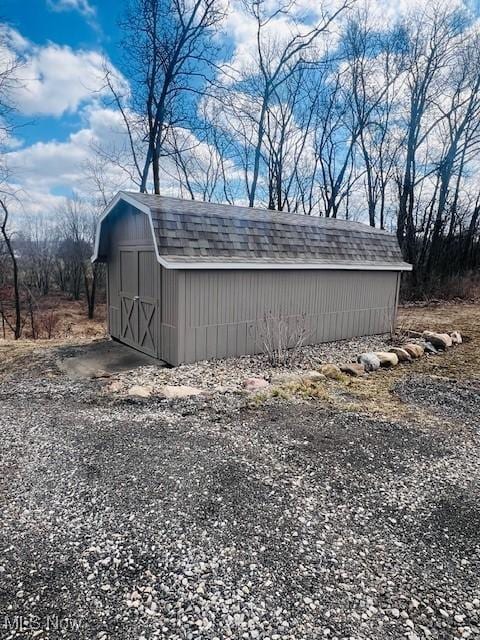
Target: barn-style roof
194,234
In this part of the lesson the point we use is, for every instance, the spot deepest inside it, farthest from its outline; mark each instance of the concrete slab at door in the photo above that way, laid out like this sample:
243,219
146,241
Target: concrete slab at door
106,355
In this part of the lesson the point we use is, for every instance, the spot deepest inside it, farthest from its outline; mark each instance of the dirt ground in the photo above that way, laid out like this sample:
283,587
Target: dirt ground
73,328
352,514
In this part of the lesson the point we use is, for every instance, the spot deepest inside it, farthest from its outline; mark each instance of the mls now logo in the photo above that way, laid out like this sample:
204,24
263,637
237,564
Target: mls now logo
21,623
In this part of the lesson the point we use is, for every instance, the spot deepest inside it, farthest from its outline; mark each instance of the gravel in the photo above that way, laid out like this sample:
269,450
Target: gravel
229,374
444,397
205,518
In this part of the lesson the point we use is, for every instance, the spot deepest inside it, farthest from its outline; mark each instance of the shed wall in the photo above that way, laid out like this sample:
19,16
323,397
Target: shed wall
217,313
224,311
129,230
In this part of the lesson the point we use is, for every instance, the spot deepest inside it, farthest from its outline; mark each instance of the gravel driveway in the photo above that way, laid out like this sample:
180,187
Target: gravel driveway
210,519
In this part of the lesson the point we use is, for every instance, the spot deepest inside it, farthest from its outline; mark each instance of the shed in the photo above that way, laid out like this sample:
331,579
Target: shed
191,280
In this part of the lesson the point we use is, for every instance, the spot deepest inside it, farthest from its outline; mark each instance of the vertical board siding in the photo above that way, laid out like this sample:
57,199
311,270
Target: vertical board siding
130,231
168,297
223,310
219,313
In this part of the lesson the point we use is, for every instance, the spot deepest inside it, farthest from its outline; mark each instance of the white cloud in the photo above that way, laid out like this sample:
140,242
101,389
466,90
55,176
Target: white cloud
45,173
54,79
46,166
278,30
25,205
82,6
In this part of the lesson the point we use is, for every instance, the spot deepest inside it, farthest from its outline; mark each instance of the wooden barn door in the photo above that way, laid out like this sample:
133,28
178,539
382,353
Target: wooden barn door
138,307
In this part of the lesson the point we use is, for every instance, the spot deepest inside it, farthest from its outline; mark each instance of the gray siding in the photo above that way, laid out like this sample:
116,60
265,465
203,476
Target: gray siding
218,313
131,231
224,310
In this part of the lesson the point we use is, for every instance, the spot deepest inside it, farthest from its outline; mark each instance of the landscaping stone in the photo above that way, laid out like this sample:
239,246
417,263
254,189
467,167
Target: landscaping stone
115,386
286,378
456,337
439,340
430,349
353,369
370,361
101,374
402,354
254,384
313,376
413,334
139,391
179,391
415,350
387,359
331,370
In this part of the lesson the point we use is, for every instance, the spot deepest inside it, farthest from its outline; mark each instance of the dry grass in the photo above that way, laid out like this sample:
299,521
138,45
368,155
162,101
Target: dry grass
374,394
72,318
462,362
73,328
24,354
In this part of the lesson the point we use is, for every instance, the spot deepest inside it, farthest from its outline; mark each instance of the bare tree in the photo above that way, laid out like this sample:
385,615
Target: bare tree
431,43
460,133
168,55
10,65
373,66
16,326
276,61
77,225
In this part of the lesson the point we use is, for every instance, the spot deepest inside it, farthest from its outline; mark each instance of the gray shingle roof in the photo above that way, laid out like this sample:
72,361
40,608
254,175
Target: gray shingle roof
194,231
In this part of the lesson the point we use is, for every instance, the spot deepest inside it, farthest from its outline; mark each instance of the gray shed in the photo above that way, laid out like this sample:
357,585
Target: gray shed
192,280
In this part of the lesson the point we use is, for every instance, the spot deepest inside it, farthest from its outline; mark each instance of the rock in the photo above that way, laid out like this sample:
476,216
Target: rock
331,371
413,334
456,337
286,378
387,359
179,391
439,340
101,374
313,376
140,392
402,354
115,386
370,361
415,350
353,369
254,384
429,348
447,339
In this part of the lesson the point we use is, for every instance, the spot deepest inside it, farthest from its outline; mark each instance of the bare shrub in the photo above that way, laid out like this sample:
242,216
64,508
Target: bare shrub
281,338
49,322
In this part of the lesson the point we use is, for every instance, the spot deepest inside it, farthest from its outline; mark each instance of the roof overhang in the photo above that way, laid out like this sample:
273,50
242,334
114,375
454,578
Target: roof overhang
184,264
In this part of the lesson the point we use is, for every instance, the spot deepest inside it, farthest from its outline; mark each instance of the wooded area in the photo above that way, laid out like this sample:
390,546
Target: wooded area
346,117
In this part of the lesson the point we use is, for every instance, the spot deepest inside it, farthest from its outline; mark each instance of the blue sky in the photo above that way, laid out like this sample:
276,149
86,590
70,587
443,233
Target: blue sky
61,106
43,22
